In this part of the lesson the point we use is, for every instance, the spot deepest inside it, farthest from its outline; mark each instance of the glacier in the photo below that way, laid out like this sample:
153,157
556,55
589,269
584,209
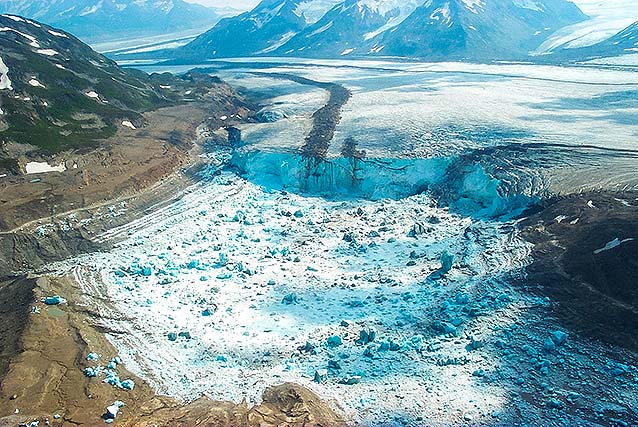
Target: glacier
386,283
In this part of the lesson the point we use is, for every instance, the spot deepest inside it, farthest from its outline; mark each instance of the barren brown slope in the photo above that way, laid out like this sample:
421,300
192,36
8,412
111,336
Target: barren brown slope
586,259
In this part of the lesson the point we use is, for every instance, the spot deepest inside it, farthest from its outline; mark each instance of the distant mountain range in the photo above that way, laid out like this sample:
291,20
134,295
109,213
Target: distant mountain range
434,29
475,30
97,20
260,31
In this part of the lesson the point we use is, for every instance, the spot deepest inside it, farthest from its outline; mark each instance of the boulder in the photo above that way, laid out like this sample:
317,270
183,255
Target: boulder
127,384
334,341
113,410
559,338
366,336
355,379
54,300
290,299
555,404
321,375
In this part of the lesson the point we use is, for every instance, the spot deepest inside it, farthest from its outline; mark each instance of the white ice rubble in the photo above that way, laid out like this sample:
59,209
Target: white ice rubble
248,288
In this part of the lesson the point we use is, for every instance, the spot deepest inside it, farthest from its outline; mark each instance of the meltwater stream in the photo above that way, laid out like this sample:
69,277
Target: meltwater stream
267,273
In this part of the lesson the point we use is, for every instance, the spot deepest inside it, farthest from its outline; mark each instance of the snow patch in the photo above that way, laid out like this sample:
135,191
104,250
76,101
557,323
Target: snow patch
92,9
530,4
44,167
19,19
57,34
473,5
314,10
612,245
35,83
32,40
321,29
128,124
47,52
400,11
282,41
5,83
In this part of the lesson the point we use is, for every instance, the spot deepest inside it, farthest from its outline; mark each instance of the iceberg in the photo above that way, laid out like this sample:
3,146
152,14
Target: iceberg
54,300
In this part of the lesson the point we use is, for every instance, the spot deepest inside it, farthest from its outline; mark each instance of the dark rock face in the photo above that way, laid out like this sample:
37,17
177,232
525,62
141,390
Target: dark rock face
17,294
234,136
586,259
26,252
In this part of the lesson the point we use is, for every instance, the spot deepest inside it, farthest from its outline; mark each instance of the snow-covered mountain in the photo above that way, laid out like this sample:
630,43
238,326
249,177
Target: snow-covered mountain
476,29
607,19
623,43
262,30
433,29
94,20
348,27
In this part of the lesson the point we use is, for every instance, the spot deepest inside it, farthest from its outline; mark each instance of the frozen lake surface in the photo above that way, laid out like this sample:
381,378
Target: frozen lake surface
240,285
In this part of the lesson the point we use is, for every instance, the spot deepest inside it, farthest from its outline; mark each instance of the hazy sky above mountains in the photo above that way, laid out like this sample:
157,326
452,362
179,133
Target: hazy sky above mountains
235,4
591,7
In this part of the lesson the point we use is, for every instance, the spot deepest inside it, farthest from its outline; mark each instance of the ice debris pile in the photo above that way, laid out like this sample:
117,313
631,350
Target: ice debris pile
379,304
109,372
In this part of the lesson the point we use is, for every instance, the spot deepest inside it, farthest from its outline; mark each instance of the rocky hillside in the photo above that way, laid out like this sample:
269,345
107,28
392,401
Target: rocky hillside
58,94
94,20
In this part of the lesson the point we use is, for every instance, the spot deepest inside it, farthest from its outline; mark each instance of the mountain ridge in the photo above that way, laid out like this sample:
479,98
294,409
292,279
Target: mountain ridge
97,20
622,43
430,29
